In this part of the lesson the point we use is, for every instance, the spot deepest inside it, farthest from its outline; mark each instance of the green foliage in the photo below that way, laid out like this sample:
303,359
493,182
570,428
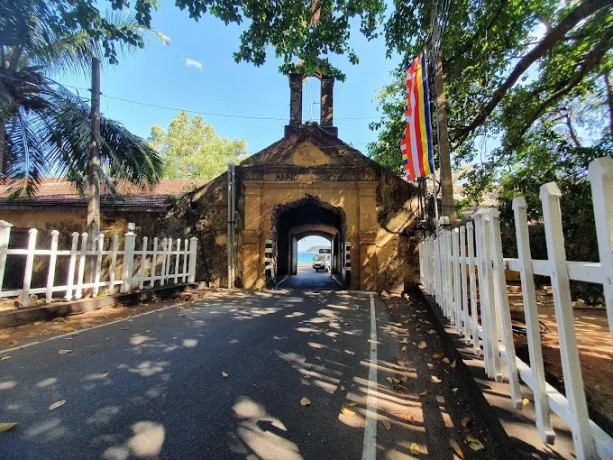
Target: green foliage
192,149
485,42
45,129
309,30
545,156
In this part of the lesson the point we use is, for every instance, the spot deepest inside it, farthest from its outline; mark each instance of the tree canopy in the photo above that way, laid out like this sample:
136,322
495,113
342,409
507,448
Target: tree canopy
192,149
508,64
44,128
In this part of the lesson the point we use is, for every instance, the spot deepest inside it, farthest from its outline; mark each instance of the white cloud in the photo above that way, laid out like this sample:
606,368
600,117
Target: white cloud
193,63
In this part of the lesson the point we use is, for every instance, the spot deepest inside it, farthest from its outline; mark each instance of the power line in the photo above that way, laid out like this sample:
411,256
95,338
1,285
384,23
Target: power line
197,112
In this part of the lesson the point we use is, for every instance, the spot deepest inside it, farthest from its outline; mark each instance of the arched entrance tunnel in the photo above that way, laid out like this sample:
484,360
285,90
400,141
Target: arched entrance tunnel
308,217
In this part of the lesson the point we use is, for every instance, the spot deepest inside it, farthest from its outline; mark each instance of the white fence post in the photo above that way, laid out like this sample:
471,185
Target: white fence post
193,249
185,256
464,286
601,177
113,266
569,353
474,321
81,273
457,290
154,261
143,262
541,403
5,234
27,275
72,265
505,329
128,259
99,249
164,261
55,234
178,254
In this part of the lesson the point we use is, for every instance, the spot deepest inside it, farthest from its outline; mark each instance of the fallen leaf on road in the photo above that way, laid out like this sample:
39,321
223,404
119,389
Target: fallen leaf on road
465,422
435,379
307,376
36,323
125,328
342,388
431,331
386,424
401,388
352,404
453,364
418,329
438,355
474,443
7,426
224,374
4,357
160,315
347,412
446,360
424,393
422,345
525,402
103,376
349,352
457,450
64,352
409,417
305,401
404,348
389,380
318,358
414,448
405,379
55,405
69,329
13,343
395,380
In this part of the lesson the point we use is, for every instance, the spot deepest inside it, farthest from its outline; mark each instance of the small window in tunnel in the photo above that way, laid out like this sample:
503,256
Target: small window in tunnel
313,254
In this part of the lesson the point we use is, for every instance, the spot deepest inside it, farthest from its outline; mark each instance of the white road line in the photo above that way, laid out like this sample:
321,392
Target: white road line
369,450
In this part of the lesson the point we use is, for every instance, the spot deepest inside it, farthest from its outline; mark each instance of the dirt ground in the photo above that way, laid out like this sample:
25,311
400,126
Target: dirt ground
595,354
14,337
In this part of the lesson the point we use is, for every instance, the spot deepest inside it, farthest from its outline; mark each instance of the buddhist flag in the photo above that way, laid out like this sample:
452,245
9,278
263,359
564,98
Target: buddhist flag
416,145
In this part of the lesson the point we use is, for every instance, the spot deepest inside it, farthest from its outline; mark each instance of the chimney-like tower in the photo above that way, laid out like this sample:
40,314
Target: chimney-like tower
326,121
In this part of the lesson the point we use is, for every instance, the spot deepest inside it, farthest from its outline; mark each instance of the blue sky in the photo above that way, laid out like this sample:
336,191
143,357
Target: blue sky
196,72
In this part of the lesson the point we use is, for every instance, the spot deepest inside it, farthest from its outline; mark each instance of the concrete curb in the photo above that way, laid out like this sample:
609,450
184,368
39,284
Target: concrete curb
478,399
54,310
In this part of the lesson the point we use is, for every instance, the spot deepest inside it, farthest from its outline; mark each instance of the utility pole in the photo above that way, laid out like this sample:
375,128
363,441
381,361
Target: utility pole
443,133
93,195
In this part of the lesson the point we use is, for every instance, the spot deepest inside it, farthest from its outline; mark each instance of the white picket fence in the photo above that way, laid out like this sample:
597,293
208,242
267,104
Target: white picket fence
463,261
168,260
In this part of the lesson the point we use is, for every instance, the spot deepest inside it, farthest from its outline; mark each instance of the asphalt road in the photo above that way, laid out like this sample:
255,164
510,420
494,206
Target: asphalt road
307,278
154,386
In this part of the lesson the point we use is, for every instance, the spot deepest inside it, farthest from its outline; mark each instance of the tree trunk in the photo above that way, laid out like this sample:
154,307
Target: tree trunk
608,84
4,153
93,195
443,144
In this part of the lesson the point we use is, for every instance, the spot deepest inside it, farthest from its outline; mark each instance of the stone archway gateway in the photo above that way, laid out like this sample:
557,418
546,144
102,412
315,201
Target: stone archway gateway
309,182
290,222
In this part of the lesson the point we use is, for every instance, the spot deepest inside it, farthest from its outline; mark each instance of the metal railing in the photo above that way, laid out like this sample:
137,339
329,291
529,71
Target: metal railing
465,271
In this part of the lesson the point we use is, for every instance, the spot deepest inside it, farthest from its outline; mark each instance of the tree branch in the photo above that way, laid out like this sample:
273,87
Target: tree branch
591,61
555,35
608,84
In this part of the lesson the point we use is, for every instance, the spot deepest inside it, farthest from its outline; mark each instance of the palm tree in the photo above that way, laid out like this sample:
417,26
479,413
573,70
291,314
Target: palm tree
44,128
